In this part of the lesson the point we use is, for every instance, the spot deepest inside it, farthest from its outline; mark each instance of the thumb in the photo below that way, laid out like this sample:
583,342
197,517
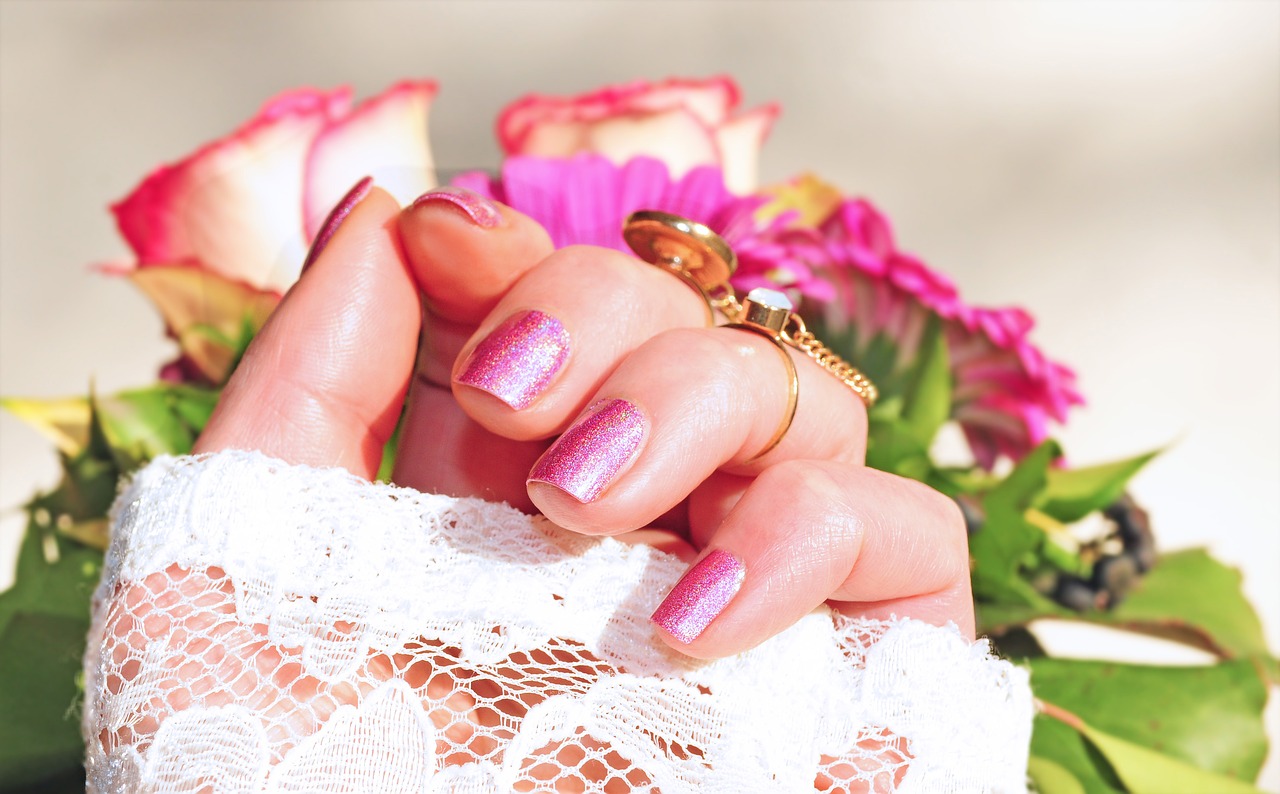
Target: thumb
324,380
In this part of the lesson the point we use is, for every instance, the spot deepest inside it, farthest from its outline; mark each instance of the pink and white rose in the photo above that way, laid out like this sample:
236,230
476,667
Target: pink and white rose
684,123
245,207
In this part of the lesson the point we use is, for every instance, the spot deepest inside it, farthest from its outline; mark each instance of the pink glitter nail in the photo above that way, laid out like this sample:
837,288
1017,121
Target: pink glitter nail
480,210
335,218
590,454
701,594
517,360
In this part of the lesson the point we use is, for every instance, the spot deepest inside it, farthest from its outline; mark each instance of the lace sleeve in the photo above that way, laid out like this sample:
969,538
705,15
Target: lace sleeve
262,626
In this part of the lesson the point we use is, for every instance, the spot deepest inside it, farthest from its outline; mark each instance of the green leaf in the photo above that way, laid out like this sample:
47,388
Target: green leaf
1192,598
894,447
43,621
1061,745
928,397
880,362
193,405
387,466
1052,778
1188,597
162,419
1208,717
1000,548
1072,494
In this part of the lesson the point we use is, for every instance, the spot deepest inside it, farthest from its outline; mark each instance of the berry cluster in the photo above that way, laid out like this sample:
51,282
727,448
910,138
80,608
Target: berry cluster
1120,555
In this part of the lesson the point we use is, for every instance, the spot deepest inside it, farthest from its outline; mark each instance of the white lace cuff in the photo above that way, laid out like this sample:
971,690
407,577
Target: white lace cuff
262,626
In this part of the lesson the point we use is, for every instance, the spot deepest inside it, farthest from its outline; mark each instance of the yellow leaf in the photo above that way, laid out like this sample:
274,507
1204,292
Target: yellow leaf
94,532
1145,771
814,199
204,310
65,421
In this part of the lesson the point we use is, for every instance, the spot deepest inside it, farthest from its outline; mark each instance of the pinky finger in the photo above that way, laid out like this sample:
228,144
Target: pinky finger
806,532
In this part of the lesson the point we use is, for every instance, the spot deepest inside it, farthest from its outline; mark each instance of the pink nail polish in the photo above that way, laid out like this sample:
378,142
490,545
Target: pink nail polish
517,360
337,215
700,595
480,210
590,454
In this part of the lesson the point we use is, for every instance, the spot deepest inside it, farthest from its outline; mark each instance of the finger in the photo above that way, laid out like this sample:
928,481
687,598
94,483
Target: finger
550,342
444,451
324,380
806,532
466,251
685,404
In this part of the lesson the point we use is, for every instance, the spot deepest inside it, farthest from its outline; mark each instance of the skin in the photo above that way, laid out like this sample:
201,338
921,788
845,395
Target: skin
324,381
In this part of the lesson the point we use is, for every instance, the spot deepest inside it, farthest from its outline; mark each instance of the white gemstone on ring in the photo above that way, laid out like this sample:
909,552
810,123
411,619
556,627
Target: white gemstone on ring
771,298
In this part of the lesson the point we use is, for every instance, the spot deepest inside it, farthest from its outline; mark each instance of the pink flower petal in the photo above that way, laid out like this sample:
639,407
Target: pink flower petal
1005,390
386,138
685,123
235,205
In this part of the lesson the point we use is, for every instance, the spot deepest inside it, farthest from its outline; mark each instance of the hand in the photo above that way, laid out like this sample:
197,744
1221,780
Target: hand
324,382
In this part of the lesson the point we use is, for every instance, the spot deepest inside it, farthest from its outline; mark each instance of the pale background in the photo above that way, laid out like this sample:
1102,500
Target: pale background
1113,167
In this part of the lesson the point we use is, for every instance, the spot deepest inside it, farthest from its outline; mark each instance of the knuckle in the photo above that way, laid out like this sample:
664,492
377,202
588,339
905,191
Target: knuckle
807,481
694,350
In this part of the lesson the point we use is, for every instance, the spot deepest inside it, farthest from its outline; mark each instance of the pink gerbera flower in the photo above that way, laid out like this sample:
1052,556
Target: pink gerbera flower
1006,391
847,268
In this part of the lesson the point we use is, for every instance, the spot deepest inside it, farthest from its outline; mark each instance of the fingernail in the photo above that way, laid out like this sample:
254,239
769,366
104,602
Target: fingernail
480,210
590,454
700,595
336,216
517,360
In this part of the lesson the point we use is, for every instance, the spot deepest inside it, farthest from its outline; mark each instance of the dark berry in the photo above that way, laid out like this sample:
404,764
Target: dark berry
1075,593
1115,576
1134,528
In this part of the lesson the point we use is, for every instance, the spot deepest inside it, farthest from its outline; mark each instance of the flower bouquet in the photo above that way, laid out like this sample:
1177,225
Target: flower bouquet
219,237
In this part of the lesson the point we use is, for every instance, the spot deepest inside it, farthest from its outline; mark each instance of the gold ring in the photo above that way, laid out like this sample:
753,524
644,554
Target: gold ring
704,261
686,249
766,312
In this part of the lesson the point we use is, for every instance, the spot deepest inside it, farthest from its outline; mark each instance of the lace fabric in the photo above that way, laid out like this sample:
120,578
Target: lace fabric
267,627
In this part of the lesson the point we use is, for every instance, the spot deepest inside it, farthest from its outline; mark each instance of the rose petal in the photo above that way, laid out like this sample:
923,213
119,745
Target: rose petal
710,101
676,137
740,142
235,205
386,138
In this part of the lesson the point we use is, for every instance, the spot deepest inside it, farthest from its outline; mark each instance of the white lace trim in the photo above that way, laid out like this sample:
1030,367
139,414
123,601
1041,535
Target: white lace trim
262,626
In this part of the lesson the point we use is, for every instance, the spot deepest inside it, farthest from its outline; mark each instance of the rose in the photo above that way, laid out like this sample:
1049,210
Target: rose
220,234
684,123
246,206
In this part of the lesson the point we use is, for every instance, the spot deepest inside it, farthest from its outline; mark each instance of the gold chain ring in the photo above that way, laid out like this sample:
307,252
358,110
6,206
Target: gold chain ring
804,340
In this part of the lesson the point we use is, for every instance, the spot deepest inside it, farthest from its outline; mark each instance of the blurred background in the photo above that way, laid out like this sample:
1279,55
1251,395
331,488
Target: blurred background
1113,167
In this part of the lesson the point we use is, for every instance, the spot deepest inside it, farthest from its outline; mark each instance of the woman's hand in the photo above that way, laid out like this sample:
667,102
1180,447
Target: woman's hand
659,419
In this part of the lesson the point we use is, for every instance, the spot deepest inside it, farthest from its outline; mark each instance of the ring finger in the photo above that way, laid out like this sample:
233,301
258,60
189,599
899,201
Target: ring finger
685,404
